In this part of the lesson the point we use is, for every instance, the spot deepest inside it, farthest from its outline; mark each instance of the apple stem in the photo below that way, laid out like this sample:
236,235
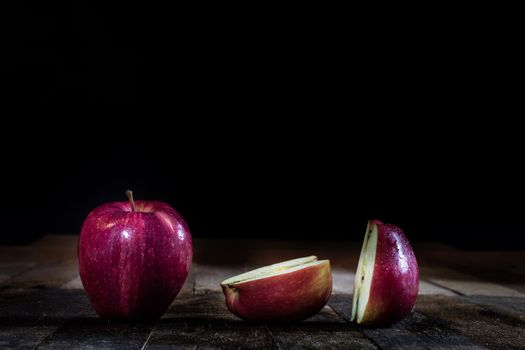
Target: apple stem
130,198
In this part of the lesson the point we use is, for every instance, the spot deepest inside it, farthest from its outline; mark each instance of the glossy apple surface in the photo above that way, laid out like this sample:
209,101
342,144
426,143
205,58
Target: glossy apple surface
387,278
133,263
289,291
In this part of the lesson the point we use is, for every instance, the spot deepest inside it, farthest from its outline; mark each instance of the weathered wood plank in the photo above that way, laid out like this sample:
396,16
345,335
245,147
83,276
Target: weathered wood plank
9,270
203,321
502,268
48,249
417,331
75,283
213,334
343,280
343,283
95,333
465,284
507,305
428,288
506,279
490,302
326,330
50,261
208,278
44,305
47,275
208,306
59,319
484,325
421,332
326,315
23,337
320,336
27,318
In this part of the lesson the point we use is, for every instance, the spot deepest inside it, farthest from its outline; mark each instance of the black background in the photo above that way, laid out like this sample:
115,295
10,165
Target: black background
288,126
304,190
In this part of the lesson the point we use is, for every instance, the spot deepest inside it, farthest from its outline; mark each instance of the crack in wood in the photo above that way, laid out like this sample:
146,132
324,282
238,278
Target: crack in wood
147,341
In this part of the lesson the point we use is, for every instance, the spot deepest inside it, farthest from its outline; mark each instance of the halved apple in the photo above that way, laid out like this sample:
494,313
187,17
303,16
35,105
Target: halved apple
387,278
289,291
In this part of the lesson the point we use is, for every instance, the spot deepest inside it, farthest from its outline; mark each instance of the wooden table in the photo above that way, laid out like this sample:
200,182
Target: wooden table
468,300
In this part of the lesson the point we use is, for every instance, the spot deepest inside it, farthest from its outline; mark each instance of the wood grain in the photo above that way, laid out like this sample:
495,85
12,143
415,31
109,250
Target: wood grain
468,300
506,305
47,275
415,332
487,326
28,318
503,268
466,284
203,321
95,333
327,330
9,270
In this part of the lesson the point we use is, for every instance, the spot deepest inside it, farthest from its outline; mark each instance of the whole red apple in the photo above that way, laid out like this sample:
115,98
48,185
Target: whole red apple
133,258
387,277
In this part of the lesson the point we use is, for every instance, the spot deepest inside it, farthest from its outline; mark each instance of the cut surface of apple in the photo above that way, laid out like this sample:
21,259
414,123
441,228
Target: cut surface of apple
270,270
288,291
365,272
387,277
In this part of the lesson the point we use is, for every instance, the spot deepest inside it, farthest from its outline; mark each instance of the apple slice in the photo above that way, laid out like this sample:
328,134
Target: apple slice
289,291
387,278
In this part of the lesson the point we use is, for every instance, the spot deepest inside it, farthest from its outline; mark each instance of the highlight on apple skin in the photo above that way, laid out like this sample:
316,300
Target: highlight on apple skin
133,258
289,291
387,278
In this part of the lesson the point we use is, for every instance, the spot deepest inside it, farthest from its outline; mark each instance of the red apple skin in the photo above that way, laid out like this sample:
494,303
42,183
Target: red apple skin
395,283
133,263
293,296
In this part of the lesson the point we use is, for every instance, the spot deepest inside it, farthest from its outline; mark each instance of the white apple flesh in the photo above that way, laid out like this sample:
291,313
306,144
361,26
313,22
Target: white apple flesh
289,291
387,278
